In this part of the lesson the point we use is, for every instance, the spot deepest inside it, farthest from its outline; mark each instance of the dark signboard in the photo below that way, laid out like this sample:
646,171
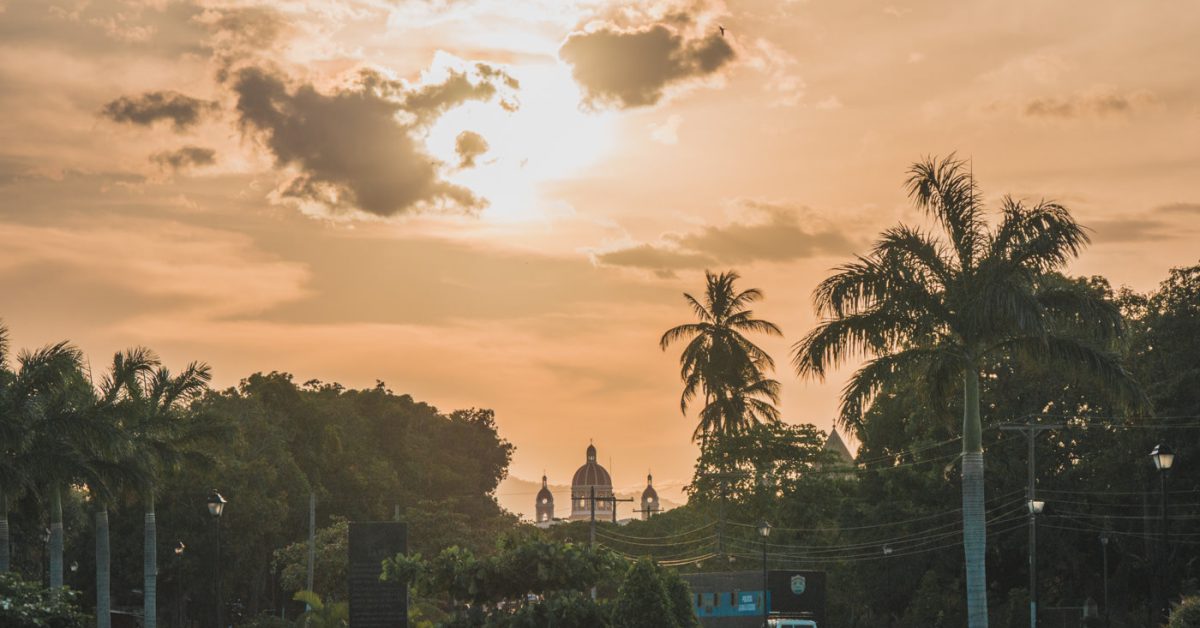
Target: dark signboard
798,594
373,603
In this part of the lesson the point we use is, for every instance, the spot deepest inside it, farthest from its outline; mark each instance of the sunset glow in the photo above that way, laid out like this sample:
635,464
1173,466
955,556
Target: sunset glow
500,204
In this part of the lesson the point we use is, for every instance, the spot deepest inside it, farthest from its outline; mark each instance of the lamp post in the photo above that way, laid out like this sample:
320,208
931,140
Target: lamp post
1035,508
1163,458
1104,536
179,549
216,506
764,530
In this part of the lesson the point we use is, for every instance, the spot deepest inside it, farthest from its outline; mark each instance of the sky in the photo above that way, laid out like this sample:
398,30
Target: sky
500,203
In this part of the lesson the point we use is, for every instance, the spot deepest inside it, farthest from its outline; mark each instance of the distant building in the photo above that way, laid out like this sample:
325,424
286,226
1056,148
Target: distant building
843,459
838,446
545,504
650,506
591,488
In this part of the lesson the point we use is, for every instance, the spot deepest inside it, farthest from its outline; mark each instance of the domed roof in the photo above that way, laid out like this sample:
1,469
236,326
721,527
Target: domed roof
591,473
649,493
544,496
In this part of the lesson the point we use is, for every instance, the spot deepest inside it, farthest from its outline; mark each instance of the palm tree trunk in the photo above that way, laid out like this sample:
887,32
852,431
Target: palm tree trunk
150,567
974,523
56,542
4,547
103,569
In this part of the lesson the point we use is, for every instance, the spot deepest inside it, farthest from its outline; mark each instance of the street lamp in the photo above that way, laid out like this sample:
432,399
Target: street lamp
764,530
1163,458
1035,508
216,506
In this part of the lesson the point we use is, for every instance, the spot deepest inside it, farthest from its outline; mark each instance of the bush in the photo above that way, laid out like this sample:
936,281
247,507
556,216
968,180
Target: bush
642,601
680,596
1187,614
25,604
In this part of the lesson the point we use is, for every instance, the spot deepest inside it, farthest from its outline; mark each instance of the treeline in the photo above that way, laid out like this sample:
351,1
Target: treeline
888,528
144,440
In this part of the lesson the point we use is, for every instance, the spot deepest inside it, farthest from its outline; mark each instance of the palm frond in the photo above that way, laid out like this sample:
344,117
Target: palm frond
946,190
887,370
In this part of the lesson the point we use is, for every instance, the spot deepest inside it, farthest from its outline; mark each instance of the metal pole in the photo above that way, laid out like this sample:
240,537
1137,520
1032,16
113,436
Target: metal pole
765,607
219,572
312,541
1164,604
592,526
1104,547
1030,432
1032,540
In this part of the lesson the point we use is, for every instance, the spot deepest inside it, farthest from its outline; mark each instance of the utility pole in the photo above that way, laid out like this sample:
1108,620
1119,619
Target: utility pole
723,478
1031,431
312,539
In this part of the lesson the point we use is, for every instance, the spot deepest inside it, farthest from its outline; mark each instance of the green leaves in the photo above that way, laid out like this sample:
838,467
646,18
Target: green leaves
721,364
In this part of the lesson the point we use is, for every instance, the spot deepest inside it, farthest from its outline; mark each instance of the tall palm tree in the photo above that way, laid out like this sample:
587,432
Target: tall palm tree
936,308
720,363
56,401
148,404
166,435
120,402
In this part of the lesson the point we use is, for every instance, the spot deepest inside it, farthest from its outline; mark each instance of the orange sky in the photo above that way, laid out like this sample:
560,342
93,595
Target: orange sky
499,203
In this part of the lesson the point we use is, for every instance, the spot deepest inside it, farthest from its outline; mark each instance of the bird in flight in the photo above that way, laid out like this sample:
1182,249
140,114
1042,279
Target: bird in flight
722,30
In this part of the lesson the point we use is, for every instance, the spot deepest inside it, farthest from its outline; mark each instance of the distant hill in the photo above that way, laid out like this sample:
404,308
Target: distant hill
516,495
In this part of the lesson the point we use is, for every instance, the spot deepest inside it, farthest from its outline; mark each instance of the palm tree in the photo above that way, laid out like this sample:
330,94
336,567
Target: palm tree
148,404
56,401
166,435
720,363
120,401
935,309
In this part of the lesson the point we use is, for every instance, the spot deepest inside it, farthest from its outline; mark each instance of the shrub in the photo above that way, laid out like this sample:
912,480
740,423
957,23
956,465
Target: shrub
642,601
1186,615
25,604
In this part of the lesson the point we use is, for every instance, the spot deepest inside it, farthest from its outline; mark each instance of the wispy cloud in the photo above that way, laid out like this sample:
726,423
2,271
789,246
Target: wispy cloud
765,232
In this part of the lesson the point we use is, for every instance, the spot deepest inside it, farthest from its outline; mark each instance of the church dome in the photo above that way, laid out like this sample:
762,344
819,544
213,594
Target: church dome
649,495
591,473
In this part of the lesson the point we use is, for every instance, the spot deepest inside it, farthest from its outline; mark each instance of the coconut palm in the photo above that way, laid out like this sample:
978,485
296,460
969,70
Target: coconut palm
148,403
55,400
935,308
720,363
120,402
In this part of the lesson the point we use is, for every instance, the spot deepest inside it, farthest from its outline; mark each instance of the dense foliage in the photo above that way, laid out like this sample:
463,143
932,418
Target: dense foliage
25,604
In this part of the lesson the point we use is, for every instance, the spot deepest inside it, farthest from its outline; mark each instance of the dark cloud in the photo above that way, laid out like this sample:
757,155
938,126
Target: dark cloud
1101,102
632,68
428,102
185,157
469,145
182,110
775,233
354,146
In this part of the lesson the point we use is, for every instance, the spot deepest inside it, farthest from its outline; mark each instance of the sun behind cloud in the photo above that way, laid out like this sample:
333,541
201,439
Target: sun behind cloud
548,136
